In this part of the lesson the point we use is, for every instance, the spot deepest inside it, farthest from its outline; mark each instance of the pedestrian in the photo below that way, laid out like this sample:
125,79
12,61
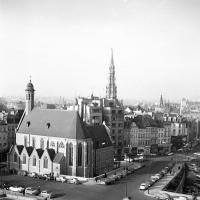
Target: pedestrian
24,192
96,179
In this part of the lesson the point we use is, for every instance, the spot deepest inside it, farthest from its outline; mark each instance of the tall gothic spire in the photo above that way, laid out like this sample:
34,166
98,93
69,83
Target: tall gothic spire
111,89
161,101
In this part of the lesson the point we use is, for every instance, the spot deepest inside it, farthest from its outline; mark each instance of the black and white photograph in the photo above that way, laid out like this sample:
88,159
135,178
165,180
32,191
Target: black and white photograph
100,99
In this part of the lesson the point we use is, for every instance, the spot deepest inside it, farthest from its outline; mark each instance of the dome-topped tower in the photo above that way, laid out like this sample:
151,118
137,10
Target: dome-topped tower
29,97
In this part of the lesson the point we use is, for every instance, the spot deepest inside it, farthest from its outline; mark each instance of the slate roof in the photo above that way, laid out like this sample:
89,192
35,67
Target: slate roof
99,136
62,123
51,153
29,150
58,157
20,148
40,152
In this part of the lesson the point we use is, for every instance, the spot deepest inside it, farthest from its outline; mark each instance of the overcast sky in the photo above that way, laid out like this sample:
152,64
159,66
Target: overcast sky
65,46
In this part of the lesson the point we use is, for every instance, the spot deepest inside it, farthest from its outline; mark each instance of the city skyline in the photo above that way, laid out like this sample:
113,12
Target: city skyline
65,47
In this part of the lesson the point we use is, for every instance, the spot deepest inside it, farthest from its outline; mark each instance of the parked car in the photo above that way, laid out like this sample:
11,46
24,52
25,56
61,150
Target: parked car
22,173
49,177
32,190
159,176
33,175
61,179
144,186
170,154
16,189
5,186
109,181
46,194
115,177
42,176
73,181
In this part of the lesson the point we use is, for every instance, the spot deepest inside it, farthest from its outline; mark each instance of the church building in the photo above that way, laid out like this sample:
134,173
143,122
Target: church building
52,141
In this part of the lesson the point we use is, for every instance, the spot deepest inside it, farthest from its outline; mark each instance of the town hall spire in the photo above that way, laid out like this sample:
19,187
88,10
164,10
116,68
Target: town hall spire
111,89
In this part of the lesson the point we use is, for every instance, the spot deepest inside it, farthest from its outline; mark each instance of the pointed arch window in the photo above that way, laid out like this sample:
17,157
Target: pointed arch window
45,162
61,145
15,157
33,142
52,144
34,160
70,154
24,159
79,154
42,143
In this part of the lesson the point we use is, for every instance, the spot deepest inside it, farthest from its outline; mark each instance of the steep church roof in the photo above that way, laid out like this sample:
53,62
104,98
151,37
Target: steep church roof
29,150
40,152
53,122
58,157
20,148
99,136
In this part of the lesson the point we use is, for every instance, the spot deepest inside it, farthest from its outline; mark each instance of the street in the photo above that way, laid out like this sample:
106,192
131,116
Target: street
96,192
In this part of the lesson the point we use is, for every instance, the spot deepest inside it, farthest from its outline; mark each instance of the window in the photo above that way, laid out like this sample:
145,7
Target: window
61,145
42,143
34,161
15,157
52,144
33,142
25,141
70,154
79,154
24,159
45,163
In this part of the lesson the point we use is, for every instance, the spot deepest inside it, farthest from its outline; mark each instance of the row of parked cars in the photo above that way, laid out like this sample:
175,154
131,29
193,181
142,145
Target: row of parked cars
62,179
154,178
27,190
116,177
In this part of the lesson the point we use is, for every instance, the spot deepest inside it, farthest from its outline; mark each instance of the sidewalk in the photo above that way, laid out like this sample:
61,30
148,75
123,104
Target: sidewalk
155,190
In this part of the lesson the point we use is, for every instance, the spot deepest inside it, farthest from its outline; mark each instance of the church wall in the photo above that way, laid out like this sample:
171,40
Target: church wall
37,167
104,160
49,169
25,166
11,163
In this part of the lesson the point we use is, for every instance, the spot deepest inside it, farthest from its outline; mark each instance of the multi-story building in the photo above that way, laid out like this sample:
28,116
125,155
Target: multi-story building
7,129
90,110
145,135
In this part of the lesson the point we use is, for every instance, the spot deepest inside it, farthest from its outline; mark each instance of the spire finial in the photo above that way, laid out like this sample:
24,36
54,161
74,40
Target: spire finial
30,78
112,59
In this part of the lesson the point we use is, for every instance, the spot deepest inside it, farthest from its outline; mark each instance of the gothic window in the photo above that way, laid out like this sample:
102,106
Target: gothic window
70,154
52,144
25,141
42,143
79,154
24,159
33,142
61,145
15,157
34,161
45,164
